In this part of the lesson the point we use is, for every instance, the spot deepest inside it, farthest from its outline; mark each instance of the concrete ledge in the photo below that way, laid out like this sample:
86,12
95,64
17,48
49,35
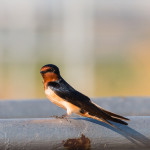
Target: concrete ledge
77,133
127,106
38,133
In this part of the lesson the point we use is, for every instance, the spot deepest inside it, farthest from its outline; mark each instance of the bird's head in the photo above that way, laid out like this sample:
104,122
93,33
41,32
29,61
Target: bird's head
50,73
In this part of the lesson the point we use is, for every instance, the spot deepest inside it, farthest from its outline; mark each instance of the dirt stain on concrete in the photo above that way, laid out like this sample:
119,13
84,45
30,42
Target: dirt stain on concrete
81,143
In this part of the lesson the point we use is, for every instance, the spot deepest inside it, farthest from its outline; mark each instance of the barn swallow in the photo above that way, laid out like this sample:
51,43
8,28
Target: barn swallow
62,94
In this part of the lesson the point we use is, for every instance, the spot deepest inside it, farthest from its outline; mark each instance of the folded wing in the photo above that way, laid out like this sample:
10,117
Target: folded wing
88,108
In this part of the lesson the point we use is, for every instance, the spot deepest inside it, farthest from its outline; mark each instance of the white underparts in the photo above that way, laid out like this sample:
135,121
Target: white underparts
54,98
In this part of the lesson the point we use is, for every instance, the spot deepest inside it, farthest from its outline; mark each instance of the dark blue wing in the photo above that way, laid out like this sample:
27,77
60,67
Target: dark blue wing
65,91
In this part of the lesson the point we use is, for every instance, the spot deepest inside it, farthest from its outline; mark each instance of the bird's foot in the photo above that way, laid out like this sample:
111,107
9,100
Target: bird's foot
65,116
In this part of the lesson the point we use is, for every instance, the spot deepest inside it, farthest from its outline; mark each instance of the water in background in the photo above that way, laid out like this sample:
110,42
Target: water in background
101,47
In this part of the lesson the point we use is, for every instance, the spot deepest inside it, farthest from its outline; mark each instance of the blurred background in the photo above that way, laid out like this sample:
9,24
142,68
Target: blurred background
102,47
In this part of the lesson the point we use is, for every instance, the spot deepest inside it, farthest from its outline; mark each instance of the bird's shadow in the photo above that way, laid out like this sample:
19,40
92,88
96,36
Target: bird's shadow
129,133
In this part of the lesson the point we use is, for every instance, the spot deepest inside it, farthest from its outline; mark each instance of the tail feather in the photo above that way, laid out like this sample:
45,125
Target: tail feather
96,112
115,115
118,121
112,114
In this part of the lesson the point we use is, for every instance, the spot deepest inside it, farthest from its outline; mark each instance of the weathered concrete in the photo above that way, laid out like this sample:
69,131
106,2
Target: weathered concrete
127,106
75,133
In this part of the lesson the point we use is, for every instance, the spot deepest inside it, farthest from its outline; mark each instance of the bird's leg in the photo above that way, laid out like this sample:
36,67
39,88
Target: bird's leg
66,117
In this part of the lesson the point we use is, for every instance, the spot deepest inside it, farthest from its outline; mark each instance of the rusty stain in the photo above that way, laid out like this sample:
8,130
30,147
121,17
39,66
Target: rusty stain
82,143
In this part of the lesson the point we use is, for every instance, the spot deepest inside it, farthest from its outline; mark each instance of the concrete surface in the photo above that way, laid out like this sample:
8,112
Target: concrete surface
74,133
27,125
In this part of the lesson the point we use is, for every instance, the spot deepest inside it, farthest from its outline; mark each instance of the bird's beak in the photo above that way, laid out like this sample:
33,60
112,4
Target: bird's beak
42,72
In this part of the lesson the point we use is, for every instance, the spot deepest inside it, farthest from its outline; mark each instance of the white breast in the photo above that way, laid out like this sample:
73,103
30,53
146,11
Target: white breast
61,102
48,91
52,96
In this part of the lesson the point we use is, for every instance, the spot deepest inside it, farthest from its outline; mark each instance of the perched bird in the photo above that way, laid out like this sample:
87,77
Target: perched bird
62,94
